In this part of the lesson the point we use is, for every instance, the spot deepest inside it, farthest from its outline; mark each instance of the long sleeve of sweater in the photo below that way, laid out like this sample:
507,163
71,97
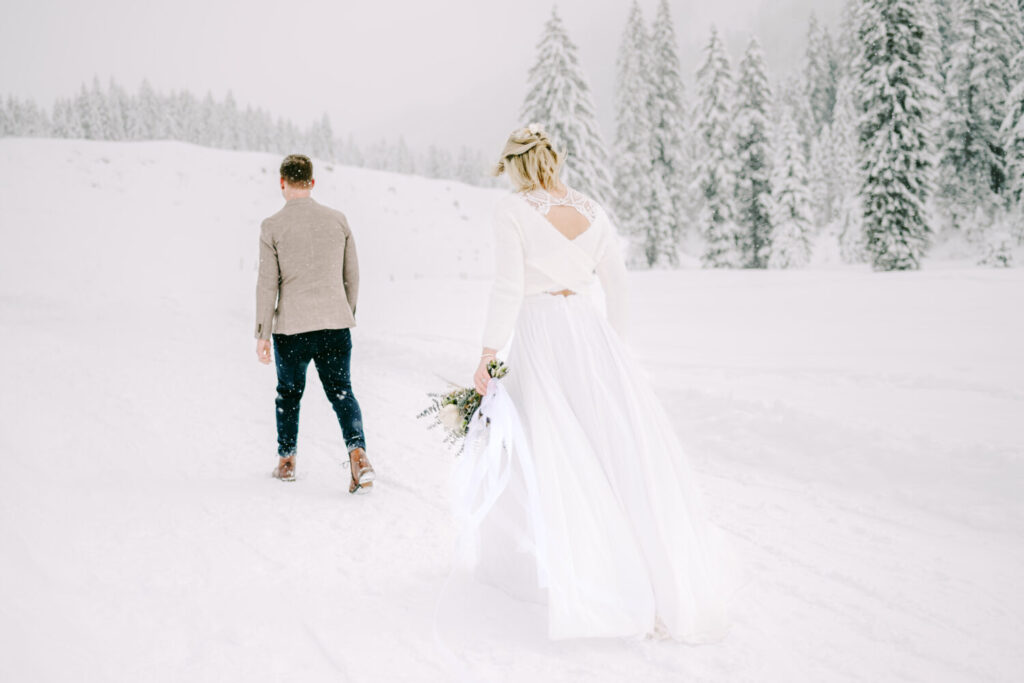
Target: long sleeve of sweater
509,275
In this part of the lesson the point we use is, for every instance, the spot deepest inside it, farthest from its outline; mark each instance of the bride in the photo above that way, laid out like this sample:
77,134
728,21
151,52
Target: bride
627,548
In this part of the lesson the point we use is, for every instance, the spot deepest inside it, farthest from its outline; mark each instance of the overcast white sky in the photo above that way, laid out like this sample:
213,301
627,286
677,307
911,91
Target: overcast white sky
438,71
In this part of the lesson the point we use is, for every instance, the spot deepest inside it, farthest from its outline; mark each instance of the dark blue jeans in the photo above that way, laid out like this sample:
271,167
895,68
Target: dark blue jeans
331,352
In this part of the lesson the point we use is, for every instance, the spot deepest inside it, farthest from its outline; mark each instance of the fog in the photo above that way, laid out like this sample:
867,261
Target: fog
448,72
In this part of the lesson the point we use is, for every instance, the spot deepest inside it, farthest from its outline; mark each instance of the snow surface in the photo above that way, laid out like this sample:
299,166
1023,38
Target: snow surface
858,434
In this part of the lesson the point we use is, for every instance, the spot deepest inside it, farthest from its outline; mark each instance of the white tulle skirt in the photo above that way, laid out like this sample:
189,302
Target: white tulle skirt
626,548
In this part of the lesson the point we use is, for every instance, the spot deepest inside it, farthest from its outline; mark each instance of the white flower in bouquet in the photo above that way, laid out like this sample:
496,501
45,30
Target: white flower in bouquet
450,417
454,409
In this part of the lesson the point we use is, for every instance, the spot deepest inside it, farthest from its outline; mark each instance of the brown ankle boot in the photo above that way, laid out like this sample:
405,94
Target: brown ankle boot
285,470
362,472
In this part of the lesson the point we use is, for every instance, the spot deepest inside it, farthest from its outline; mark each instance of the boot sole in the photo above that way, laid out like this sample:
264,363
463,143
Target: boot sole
361,490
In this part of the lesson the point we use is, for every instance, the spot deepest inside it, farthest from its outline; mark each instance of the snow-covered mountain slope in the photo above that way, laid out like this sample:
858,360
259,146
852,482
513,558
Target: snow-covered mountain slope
859,435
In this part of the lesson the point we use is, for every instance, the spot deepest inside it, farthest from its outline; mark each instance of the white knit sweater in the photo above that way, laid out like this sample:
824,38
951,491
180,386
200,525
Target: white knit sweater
532,257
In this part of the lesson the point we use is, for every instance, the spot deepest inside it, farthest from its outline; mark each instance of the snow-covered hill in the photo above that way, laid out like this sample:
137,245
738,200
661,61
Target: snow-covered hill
858,433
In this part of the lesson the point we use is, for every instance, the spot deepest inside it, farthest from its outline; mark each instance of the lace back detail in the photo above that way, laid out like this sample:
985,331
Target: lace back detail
542,200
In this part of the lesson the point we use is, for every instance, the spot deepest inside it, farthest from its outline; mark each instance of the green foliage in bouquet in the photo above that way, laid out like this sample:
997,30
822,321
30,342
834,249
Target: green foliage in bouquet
455,409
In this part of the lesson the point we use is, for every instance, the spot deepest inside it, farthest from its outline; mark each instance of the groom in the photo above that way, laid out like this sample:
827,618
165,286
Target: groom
306,300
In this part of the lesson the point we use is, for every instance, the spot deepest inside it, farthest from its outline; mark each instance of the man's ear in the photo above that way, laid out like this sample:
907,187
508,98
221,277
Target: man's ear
312,182
282,183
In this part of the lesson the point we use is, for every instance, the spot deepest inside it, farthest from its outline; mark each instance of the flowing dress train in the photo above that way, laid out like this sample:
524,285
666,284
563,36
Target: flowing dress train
626,547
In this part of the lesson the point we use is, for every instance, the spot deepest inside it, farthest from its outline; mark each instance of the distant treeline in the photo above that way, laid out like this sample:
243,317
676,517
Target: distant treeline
113,113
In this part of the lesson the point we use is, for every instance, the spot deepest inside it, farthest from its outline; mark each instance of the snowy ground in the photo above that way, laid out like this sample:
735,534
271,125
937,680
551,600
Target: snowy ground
859,434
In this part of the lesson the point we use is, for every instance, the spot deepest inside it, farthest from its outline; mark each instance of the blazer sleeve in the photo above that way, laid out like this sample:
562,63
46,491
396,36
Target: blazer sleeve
350,270
509,275
611,271
267,284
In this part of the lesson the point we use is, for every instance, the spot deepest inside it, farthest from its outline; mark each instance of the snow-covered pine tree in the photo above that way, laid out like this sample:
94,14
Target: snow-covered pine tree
282,137
945,11
437,163
116,107
822,177
208,115
845,139
716,174
134,124
557,97
793,97
80,102
895,72
229,136
256,130
821,73
973,158
172,116
469,167
846,150
853,247
830,75
847,46
402,160
672,174
251,128
813,85
58,126
633,151
148,115
73,125
1012,133
60,123
30,120
373,155
694,195
791,209
6,122
934,44
18,117
753,188
294,136
660,246
261,128
349,152
94,112
321,138
41,119
190,112
13,116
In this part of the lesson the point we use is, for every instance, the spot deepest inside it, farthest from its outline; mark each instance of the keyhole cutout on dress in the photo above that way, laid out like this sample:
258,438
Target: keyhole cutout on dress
568,221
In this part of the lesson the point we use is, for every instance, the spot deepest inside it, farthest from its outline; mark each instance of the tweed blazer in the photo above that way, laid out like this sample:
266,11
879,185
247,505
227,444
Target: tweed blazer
308,273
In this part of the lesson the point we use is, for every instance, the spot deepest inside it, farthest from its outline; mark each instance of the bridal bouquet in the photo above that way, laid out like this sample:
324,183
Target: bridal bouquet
455,409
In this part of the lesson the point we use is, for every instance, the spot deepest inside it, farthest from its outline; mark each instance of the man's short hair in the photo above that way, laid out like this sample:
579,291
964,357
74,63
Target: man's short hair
297,170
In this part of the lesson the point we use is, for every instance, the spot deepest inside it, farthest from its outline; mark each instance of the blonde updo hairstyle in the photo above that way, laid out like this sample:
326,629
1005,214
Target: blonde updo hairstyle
530,160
